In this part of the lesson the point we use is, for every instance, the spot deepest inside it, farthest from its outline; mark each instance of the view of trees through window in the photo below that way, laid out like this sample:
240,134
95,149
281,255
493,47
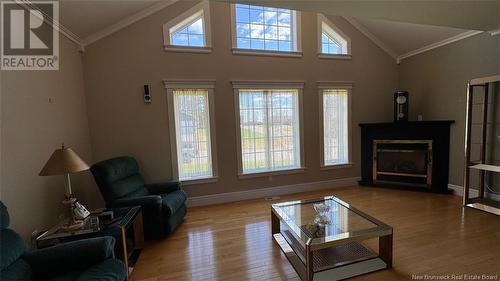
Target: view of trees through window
269,130
193,133
335,126
263,28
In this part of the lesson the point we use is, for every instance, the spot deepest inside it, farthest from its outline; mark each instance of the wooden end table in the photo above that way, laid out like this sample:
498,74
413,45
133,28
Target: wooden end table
125,224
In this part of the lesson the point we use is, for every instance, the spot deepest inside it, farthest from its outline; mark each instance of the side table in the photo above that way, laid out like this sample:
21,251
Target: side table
125,224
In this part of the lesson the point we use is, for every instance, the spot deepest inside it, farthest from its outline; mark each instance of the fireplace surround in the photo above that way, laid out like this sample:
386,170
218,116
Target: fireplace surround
410,155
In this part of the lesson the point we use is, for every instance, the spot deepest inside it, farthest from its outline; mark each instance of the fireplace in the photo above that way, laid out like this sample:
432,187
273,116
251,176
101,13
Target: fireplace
403,161
406,155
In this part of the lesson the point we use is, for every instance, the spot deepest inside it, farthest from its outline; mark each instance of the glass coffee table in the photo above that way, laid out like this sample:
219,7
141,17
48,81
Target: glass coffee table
325,239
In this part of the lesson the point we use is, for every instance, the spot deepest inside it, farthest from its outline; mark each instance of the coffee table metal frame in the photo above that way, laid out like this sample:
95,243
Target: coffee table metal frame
305,269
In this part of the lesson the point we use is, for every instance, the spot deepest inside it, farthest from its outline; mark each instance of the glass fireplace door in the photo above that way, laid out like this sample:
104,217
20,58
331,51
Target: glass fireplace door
403,161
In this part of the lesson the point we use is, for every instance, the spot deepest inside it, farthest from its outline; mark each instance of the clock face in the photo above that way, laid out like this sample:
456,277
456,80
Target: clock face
401,99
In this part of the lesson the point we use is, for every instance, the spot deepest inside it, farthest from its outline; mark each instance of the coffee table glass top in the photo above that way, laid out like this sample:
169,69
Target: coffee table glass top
325,220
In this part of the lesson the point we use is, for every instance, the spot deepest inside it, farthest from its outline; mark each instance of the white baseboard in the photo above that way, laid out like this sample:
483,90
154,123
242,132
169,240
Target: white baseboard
269,192
459,190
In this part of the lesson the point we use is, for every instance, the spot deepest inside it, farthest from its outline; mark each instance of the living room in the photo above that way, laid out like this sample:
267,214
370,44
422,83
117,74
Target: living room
250,140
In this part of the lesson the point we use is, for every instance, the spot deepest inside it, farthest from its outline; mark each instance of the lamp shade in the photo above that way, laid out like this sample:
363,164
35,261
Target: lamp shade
63,161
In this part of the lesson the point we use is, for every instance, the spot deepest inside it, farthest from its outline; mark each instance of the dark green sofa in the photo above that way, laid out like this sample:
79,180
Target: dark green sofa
88,259
121,184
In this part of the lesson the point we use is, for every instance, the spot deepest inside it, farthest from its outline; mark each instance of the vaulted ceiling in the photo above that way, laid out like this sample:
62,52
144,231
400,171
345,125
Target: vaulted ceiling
85,17
403,38
473,15
401,26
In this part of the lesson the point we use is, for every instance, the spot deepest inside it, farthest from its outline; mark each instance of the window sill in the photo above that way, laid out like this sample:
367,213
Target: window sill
200,181
334,57
336,166
271,173
250,52
187,49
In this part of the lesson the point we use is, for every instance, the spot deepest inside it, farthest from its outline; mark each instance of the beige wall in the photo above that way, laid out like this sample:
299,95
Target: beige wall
116,68
437,81
41,110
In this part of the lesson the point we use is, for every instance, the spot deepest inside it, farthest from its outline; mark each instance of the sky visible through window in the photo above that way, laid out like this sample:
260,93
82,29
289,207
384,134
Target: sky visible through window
329,46
190,34
263,28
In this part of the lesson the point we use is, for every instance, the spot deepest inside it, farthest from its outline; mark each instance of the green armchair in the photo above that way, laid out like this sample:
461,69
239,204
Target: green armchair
87,259
121,184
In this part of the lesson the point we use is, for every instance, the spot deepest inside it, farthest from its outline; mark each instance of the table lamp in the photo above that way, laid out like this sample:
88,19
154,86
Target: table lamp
65,161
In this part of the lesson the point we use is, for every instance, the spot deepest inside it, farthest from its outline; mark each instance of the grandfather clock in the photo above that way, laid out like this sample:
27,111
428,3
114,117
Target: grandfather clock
400,106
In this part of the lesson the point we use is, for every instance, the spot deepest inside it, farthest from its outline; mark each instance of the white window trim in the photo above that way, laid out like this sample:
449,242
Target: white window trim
237,86
321,19
202,8
324,85
296,39
170,86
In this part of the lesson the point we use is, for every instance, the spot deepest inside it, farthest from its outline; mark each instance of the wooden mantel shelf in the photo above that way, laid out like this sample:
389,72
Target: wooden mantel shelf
485,167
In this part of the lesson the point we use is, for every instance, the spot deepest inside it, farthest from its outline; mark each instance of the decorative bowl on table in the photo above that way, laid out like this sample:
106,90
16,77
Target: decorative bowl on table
321,208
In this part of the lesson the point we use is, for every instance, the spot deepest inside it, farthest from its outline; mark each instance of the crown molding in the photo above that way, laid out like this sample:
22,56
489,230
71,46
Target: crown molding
126,22
494,32
27,5
372,37
439,44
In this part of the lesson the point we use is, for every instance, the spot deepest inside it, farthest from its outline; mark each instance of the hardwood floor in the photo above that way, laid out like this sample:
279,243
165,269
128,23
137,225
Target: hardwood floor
433,235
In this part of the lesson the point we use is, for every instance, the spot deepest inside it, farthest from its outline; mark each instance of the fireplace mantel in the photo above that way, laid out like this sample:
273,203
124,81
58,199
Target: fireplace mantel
436,131
409,123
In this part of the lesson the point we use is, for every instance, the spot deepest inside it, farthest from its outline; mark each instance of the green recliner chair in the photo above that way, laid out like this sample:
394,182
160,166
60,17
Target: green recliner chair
121,184
87,259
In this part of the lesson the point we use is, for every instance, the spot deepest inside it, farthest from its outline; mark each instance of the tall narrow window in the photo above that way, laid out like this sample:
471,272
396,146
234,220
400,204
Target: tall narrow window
269,130
192,138
265,28
332,41
335,126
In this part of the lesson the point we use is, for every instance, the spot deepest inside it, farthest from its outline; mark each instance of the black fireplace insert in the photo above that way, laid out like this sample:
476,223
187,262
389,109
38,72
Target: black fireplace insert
406,155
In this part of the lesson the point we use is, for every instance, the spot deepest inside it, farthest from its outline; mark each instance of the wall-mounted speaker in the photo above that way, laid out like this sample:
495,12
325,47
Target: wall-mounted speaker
147,94
401,106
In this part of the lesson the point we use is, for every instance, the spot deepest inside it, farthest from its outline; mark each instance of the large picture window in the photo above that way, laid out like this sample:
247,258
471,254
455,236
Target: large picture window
269,130
192,135
265,28
335,123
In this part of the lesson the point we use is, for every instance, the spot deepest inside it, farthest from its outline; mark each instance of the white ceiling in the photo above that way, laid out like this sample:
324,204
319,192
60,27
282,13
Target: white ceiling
405,37
85,17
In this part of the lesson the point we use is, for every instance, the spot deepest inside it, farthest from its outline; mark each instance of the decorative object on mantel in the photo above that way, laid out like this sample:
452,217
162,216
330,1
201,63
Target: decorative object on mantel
401,101
409,155
490,89
65,161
